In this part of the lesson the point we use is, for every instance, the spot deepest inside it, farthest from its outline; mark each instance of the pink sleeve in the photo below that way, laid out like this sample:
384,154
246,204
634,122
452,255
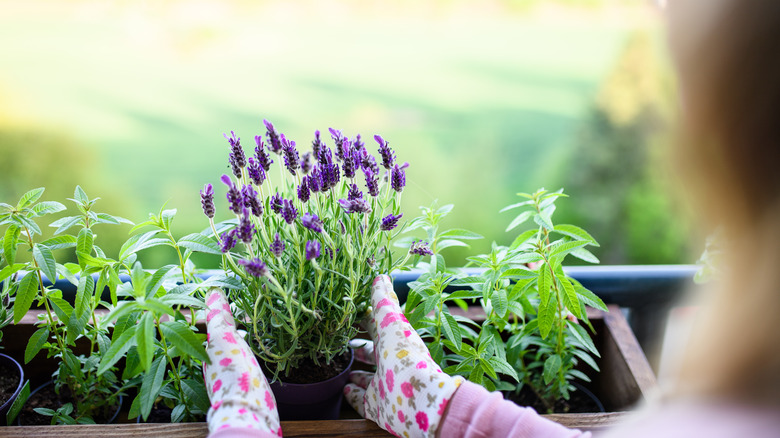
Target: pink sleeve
241,432
476,413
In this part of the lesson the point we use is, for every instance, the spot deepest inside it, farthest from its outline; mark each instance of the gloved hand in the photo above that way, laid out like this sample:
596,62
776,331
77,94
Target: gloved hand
239,393
408,394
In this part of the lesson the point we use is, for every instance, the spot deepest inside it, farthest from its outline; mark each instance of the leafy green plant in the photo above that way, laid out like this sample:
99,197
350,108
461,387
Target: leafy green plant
530,335
307,248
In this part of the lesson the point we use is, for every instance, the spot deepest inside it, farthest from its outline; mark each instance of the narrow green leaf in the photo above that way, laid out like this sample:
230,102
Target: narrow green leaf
10,270
60,242
66,223
544,221
45,260
76,325
583,337
29,224
98,262
157,307
575,232
585,255
551,367
158,278
35,343
85,241
442,244
564,248
582,354
25,294
61,307
183,300
184,339
544,283
152,384
519,220
80,195
17,405
144,340
200,243
118,349
452,330
464,294
513,206
461,234
503,367
589,297
10,241
570,298
29,198
166,217
47,207
500,303
195,393
546,317
519,273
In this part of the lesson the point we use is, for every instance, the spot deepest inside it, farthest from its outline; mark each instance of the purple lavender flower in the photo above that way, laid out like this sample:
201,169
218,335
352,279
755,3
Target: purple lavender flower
273,137
314,179
312,222
388,156
306,163
289,212
350,160
372,182
338,138
245,230
227,240
291,159
207,200
251,201
277,203
389,222
254,267
303,190
277,246
313,249
358,205
256,172
263,158
358,143
317,144
420,247
398,179
367,161
236,158
325,155
235,200
354,192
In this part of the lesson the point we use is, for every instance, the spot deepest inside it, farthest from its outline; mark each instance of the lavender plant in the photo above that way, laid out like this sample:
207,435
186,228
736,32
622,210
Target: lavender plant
307,245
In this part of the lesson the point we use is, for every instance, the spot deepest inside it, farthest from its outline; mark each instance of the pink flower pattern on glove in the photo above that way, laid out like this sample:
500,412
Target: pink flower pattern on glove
408,393
235,383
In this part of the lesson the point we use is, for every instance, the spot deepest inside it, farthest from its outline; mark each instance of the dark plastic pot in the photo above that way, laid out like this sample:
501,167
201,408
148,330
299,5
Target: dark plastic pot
13,364
312,401
110,421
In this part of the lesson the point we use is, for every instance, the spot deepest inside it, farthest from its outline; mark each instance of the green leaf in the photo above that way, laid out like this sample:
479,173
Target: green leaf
195,393
589,297
152,384
543,220
584,254
183,300
158,278
513,206
35,343
583,337
452,330
570,298
156,306
76,324
575,232
184,339
84,292
85,241
29,224
144,340
200,243
544,283
564,248
582,354
80,195
45,260
464,294
500,303
520,219
166,217
60,242
47,207
25,294
61,307
442,244
10,241
29,198
519,273
503,367
17,405
546,317
551,367
10,270
66,223
118,349
98,262
461,234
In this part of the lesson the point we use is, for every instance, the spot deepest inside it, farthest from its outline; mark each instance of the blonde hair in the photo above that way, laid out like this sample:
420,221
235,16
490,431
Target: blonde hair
728,62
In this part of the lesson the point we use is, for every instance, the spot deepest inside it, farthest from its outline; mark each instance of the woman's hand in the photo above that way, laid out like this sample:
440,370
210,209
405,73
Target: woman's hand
239,393
408,394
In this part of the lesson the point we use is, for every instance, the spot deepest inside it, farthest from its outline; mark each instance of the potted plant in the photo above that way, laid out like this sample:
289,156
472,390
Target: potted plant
12,382
530,340
306,249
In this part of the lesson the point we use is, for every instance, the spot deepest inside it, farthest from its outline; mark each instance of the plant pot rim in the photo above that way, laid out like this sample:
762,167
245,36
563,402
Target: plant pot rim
7,404
338,376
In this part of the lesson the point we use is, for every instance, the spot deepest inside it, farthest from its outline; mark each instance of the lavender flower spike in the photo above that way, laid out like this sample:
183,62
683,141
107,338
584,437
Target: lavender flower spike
389,222
388,157
303,189
277,246
251,201
262,156
358,205
235,200
245,230
291,158
277,203
312,222
372,183
236,158
273,137
420,247
254,267
207,200
256,172
289,212
313,249
227,240
398,179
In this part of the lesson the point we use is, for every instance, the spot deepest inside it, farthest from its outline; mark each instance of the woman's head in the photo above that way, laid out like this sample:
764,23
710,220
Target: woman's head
727,54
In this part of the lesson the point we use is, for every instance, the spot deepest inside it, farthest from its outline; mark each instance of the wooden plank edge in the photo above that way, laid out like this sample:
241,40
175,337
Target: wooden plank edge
631,351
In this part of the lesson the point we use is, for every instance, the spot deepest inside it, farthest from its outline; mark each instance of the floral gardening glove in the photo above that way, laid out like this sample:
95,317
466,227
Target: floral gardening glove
408,393
239,394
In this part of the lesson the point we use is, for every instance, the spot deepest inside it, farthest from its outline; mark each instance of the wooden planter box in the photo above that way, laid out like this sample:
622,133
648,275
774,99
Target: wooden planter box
625,380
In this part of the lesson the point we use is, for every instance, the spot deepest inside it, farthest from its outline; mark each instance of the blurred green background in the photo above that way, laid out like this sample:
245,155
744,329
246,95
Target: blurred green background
483,99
